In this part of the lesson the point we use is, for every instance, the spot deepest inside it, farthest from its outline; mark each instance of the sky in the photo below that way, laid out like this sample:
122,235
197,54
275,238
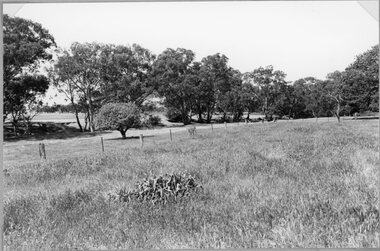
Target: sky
300,38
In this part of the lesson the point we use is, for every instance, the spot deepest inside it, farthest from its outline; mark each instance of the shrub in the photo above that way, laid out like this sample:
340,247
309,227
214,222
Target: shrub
154,120
173,115
168,187
118,116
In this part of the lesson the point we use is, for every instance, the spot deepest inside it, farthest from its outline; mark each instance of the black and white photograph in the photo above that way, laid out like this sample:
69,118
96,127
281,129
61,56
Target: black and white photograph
190,125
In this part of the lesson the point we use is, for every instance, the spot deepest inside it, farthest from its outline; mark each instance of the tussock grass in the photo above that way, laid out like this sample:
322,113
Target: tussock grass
288,184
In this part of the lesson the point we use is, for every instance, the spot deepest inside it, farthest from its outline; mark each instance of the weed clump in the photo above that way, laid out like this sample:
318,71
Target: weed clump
162,189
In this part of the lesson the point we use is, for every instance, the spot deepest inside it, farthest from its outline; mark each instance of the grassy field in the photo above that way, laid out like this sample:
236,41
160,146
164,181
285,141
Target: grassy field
287,184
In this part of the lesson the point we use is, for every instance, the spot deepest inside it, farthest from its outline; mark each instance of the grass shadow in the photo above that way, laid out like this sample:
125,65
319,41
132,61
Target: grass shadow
51,131
130,137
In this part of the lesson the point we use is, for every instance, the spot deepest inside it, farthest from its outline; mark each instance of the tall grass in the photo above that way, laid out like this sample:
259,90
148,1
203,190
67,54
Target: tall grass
288,184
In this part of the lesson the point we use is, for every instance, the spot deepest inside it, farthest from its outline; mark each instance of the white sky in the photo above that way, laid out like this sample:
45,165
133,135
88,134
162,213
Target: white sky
300,38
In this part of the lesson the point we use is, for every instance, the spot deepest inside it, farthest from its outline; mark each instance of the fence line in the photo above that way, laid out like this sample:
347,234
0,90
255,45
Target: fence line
191,130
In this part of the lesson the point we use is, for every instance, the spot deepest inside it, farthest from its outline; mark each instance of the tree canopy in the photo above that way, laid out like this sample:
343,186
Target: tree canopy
119,116
26,44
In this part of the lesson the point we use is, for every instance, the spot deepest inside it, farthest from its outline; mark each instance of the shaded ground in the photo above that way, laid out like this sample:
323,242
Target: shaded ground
47,131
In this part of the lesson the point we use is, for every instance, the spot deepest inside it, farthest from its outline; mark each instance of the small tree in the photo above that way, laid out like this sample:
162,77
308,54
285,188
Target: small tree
118,116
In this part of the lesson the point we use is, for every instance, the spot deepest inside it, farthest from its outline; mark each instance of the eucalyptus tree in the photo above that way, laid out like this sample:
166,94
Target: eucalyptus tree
361,79
215,82
80,68
26,45
174,81
336,90
126,73
269,82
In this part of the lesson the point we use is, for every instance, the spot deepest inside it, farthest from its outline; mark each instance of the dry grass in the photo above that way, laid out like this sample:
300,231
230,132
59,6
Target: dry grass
288,184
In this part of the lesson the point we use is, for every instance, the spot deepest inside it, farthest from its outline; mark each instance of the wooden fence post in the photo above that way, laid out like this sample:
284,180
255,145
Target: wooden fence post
101,138
42,151
141,140
171,138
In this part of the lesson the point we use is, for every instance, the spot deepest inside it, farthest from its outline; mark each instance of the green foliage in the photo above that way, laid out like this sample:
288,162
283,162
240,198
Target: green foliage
119,116
173,73
361,78
215,82
271,84
162,189
173,115
126,73
154,120
25,45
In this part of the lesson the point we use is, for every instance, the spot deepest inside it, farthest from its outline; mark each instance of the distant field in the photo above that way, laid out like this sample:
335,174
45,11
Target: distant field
286,185
58,117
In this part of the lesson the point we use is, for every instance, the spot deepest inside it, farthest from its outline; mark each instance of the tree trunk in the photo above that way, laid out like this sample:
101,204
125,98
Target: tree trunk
184,114
209,115
78,121
14,130
85,121
123,132
76,115
90,113
337,112
200,119
27,129
14,122
185,118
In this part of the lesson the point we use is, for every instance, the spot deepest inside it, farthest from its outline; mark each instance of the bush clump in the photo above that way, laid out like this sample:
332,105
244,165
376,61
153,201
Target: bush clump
163,189
173,115
154,120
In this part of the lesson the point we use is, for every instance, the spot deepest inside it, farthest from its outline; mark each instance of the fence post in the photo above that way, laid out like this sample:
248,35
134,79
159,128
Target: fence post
212,128
141,140
101,138
225,125
171,138
42,151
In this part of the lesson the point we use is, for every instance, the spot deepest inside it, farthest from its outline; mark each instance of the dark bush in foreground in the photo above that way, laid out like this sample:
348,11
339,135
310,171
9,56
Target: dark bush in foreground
165,188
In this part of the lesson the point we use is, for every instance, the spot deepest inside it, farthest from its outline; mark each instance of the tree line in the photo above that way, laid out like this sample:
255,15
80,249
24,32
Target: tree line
92,75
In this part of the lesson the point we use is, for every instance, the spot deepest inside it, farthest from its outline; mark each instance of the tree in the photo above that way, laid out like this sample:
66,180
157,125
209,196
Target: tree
214,74
318,103
229,98
22,94
173,80
249,98
270,83
65,81
336,90
26,44
304,105
126,72
81,68
118,116
361,79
